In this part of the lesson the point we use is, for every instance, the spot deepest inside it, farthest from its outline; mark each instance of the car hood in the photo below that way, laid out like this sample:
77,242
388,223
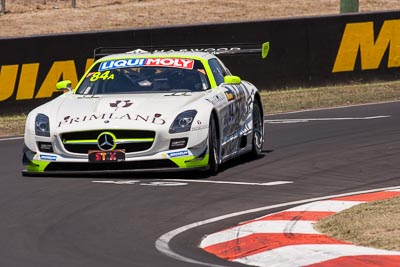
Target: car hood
78,111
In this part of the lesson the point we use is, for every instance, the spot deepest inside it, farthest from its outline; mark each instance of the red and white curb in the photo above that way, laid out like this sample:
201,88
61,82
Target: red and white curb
288,238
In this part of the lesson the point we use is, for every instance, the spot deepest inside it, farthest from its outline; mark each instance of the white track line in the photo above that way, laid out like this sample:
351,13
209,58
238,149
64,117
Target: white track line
300,120
11,138
230,182
326,205
332,108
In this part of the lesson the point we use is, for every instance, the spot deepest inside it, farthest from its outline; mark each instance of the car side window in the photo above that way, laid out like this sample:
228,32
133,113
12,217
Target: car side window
218,71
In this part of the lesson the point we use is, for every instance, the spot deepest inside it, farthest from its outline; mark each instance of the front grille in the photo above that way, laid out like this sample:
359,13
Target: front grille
130,140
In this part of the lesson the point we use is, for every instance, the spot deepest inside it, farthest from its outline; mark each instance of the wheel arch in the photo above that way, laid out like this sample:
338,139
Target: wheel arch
257,97
217,122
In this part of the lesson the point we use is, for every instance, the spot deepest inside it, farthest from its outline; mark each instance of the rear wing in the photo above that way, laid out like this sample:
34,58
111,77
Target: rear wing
227,49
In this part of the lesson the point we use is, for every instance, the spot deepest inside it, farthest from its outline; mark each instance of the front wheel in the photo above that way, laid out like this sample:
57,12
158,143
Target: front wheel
213,148
258,130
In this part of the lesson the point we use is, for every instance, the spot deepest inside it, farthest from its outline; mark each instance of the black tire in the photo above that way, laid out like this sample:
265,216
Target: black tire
213,148
258,130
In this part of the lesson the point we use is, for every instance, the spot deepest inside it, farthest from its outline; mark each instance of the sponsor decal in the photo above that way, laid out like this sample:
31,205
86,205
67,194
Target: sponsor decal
198,128
178,143
69,120
101,156
122,63
48,157
234,117
229,95
178,154
121,104
155,62
359,40
171,62
179,94
208,50
216,99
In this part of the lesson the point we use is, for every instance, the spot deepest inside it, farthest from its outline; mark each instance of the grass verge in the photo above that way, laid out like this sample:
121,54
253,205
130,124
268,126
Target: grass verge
332,96
293,99
12,125
372,224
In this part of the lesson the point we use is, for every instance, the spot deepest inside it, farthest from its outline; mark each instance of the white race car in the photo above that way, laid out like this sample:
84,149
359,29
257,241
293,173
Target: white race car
142,111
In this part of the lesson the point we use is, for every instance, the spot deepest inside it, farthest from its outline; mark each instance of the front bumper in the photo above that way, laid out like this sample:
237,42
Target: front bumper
40,164
67,152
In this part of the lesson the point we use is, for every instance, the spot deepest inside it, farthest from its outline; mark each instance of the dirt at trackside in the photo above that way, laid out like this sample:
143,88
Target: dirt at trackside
32,17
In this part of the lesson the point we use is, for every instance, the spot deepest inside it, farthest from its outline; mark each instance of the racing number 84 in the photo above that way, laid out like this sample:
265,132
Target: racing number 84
104,76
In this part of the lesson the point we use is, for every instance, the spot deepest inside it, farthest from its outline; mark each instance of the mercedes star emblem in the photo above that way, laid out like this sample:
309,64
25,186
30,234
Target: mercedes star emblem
106,141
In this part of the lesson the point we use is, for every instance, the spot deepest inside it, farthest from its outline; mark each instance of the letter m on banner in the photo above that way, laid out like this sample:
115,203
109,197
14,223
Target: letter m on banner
359,39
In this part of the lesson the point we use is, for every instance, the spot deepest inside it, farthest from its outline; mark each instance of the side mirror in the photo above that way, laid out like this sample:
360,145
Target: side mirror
230,79
64,85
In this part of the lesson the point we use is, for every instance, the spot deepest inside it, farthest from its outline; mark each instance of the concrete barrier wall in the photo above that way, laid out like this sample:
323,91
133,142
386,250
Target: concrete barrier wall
304,52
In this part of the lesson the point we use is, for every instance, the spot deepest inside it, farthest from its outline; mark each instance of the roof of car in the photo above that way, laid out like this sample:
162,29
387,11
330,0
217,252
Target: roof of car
161,54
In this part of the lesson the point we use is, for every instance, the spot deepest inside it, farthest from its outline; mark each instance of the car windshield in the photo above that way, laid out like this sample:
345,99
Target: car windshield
145,75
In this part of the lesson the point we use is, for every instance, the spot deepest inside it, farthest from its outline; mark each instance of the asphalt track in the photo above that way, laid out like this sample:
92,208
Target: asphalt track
116,221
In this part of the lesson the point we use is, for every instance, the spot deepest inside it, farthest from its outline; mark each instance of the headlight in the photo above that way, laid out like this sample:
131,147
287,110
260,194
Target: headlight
42,125
183,122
